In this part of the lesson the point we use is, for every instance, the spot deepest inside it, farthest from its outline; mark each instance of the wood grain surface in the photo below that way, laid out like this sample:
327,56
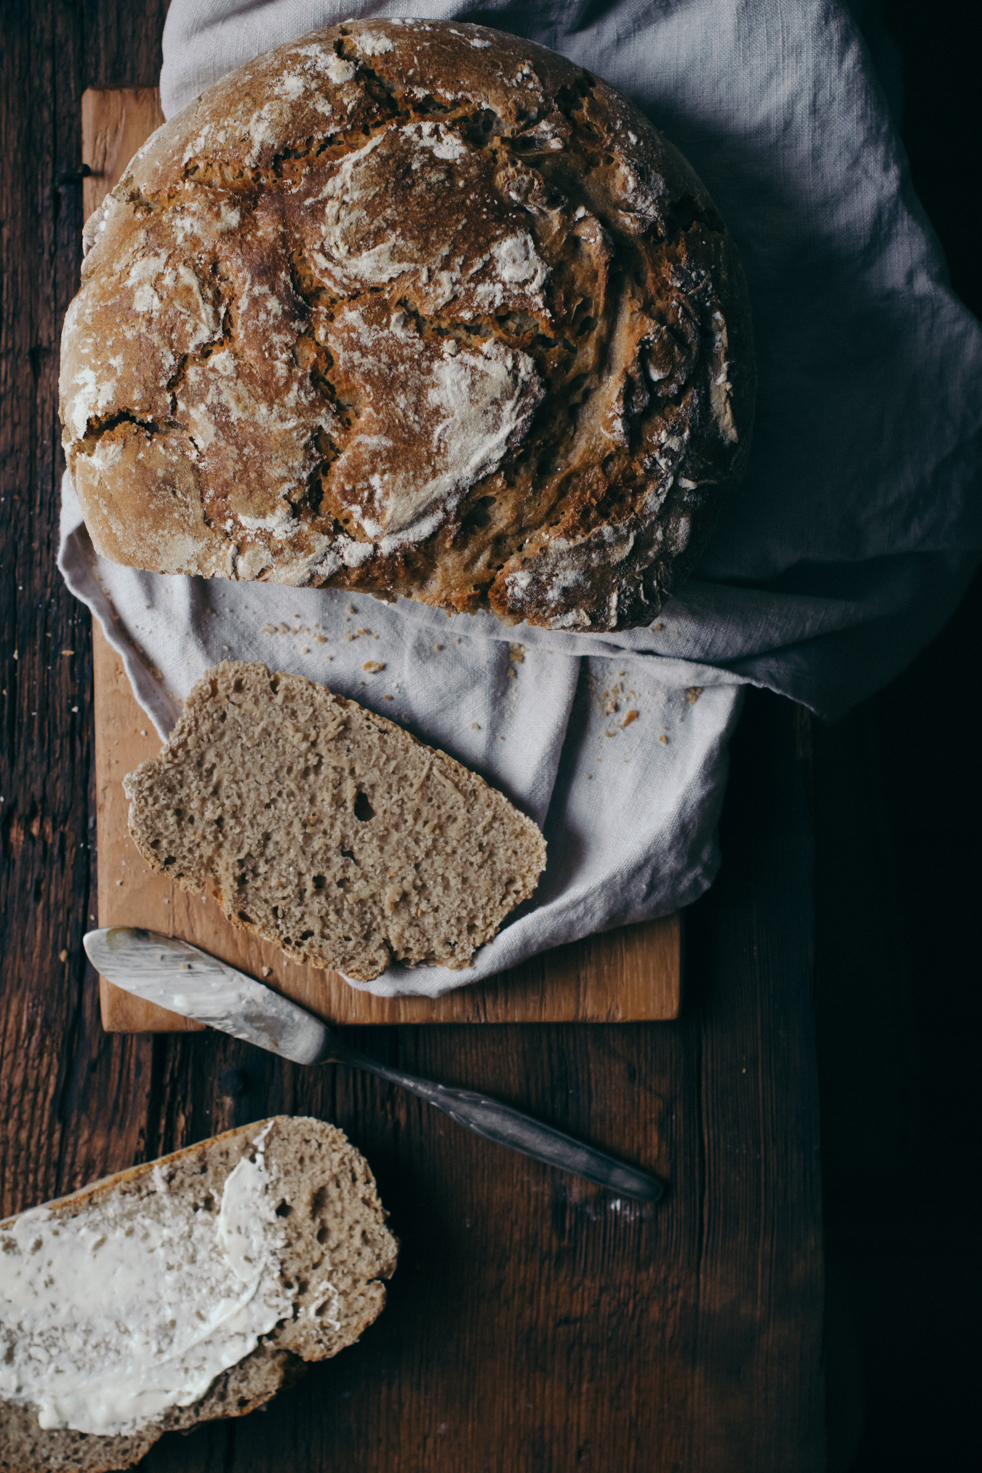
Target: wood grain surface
534,1324
627,975
115,122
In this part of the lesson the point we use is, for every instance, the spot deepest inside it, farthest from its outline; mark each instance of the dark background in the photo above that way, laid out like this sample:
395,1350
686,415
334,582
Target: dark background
894,794
898,802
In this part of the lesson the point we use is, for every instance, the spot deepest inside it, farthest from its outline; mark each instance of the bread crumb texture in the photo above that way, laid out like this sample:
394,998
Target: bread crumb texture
411,308
334,1248
328,829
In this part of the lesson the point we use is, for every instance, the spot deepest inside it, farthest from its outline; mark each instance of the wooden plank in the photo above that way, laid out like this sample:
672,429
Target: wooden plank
115,122
630,974
45,733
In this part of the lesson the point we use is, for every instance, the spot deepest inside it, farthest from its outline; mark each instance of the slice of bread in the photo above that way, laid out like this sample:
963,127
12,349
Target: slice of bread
328,829
331,1249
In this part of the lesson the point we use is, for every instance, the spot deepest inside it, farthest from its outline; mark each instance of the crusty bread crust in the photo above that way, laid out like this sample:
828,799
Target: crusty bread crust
335,1212
327,829
414,308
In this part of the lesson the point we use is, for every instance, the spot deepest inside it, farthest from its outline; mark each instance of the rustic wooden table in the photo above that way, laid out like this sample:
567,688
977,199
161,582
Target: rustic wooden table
534,1322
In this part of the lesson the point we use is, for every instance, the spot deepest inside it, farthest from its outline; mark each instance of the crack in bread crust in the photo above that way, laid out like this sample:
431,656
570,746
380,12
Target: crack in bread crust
415,309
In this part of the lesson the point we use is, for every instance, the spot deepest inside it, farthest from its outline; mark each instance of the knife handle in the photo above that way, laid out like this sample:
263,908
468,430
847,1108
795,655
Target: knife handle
508,1127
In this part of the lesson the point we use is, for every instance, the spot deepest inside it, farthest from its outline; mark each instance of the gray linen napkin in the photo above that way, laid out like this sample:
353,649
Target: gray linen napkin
845,550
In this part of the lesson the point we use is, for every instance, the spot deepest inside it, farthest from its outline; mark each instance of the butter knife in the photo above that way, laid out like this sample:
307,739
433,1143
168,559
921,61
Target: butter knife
176,975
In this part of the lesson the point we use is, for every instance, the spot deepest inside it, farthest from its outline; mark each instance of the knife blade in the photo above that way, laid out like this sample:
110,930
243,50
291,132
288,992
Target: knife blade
188,981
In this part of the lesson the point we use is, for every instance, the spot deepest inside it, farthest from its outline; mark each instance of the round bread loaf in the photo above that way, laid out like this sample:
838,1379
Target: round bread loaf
414,308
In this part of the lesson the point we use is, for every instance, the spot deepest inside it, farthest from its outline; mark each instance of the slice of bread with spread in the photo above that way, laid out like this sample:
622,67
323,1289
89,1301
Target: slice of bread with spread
329,830
186,1289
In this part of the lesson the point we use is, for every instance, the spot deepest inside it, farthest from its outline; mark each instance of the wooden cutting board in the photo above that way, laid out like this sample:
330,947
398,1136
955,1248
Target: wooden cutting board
632,974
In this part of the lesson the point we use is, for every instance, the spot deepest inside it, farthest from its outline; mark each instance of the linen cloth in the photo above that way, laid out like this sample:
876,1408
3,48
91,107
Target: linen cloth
844,551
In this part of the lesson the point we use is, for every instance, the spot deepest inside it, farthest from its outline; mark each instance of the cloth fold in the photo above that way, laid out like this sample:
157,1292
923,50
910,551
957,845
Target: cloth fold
844,551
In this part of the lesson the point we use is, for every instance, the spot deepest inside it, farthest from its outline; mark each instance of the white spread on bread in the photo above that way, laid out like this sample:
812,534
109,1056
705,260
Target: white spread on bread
109,1318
